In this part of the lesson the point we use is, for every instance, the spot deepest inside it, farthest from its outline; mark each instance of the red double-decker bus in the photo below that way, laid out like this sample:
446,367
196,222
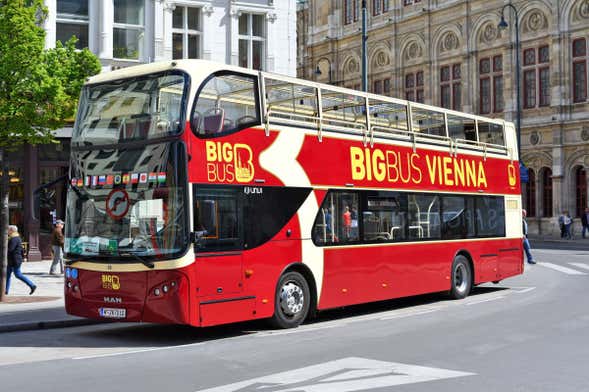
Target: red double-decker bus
205,194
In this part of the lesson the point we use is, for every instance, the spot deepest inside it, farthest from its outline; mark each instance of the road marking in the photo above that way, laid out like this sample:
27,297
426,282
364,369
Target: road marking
409,314
580,265
560,268
521,290
137,351
480,301
342,375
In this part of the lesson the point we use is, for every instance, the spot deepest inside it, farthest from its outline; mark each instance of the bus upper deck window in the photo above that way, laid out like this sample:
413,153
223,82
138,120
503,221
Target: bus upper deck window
226,102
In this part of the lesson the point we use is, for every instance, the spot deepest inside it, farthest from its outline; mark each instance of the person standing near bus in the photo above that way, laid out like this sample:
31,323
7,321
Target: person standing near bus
15,259
57,240
585,221
526,242
568,222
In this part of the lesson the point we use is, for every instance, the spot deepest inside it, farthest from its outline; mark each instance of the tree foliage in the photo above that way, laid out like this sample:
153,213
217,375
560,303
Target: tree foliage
38,88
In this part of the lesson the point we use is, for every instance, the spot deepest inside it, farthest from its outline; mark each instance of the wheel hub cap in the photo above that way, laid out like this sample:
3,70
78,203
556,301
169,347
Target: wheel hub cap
291,299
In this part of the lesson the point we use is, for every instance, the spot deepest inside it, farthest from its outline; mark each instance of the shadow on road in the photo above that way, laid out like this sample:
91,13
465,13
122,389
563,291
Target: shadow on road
139,336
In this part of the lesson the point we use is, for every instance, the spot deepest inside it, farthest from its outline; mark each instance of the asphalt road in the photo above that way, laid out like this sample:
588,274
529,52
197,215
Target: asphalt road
529,333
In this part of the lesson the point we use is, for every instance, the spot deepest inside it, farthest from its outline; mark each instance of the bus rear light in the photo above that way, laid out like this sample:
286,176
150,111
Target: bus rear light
248,273
157,292
76,288
264,301
165,288
69,284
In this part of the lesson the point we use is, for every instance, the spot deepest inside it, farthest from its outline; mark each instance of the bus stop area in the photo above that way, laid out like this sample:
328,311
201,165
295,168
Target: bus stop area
44,309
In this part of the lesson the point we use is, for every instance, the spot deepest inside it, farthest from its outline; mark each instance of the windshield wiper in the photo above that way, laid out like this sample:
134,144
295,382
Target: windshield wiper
146,263
75,259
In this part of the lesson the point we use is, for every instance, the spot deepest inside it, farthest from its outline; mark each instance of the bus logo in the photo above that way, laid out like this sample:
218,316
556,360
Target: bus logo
111,282
228,162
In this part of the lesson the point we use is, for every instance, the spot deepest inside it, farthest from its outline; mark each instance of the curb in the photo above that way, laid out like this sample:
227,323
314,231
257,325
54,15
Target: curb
52,324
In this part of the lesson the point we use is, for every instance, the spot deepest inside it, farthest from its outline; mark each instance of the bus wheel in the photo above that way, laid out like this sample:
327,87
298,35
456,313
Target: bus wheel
292,301
461,278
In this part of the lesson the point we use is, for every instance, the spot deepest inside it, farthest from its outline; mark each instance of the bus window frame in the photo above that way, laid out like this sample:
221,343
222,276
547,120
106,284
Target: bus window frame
235,129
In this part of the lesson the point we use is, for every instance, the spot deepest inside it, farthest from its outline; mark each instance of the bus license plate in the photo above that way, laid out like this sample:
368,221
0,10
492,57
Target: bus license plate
113,313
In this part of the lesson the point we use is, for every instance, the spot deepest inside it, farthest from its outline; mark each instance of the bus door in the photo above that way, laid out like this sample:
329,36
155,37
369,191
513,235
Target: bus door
219,241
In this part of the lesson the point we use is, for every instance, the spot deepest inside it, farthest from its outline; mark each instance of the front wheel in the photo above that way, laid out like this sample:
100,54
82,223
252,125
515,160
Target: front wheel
461,278
292,300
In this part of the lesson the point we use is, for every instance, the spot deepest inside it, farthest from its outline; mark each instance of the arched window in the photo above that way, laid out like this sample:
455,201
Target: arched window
546,192
581,190
531,193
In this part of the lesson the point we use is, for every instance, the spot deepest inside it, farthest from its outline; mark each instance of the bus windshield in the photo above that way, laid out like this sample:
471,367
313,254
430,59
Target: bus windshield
127,203
139,108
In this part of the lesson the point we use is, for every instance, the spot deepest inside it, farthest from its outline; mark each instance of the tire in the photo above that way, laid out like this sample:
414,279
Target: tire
292,301
461,278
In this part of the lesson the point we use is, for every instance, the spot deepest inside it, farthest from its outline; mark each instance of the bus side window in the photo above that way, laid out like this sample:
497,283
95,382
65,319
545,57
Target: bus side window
217,220
336,222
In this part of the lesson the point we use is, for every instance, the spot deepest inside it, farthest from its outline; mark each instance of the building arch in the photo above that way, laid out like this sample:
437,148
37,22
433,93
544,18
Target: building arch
485,33
447,40
535,18
573,13
379,58
412,50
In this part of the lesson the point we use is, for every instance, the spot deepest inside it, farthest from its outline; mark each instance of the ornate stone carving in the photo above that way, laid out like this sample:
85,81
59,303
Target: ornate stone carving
489,34
581,13
271,16
536,21
585,133
449,42
381,59
351,66
207,10
534,138
413,51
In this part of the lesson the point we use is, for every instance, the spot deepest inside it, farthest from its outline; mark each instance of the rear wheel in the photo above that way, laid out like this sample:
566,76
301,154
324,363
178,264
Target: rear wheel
461,278
292,300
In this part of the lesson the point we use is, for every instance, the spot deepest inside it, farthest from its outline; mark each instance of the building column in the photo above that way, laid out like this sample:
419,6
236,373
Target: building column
106,34
31,182
50,24
158,31
168,10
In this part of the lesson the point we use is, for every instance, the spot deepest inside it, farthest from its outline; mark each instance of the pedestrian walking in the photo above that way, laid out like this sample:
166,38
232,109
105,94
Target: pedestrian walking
57,240
561,224
568,223
15,259
585,221
527,247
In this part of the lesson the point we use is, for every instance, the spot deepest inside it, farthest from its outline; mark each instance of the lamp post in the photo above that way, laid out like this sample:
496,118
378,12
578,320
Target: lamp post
364,51
503,25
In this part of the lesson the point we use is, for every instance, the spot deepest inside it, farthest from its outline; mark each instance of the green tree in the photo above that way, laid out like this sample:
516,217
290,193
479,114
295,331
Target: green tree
39,89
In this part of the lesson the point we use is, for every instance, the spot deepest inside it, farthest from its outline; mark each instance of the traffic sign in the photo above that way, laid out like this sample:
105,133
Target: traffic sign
117,203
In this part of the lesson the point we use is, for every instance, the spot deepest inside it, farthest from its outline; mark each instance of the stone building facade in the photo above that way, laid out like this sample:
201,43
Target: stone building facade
451,53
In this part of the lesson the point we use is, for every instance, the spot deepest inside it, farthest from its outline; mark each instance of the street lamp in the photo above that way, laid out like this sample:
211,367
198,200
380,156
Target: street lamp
502,26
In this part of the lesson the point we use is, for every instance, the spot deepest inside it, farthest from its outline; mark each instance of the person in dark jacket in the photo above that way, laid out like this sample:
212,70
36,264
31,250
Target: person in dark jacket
15,259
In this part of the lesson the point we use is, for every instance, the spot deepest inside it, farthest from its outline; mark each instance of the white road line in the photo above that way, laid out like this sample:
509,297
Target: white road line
137,351
484,300
560,268
580,265
403,315
524,290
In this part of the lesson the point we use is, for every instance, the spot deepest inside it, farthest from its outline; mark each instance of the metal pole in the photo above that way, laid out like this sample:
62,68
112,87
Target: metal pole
364,53
518,107
518,94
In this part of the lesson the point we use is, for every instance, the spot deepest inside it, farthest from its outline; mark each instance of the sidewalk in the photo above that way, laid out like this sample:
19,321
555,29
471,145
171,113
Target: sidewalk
44,309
